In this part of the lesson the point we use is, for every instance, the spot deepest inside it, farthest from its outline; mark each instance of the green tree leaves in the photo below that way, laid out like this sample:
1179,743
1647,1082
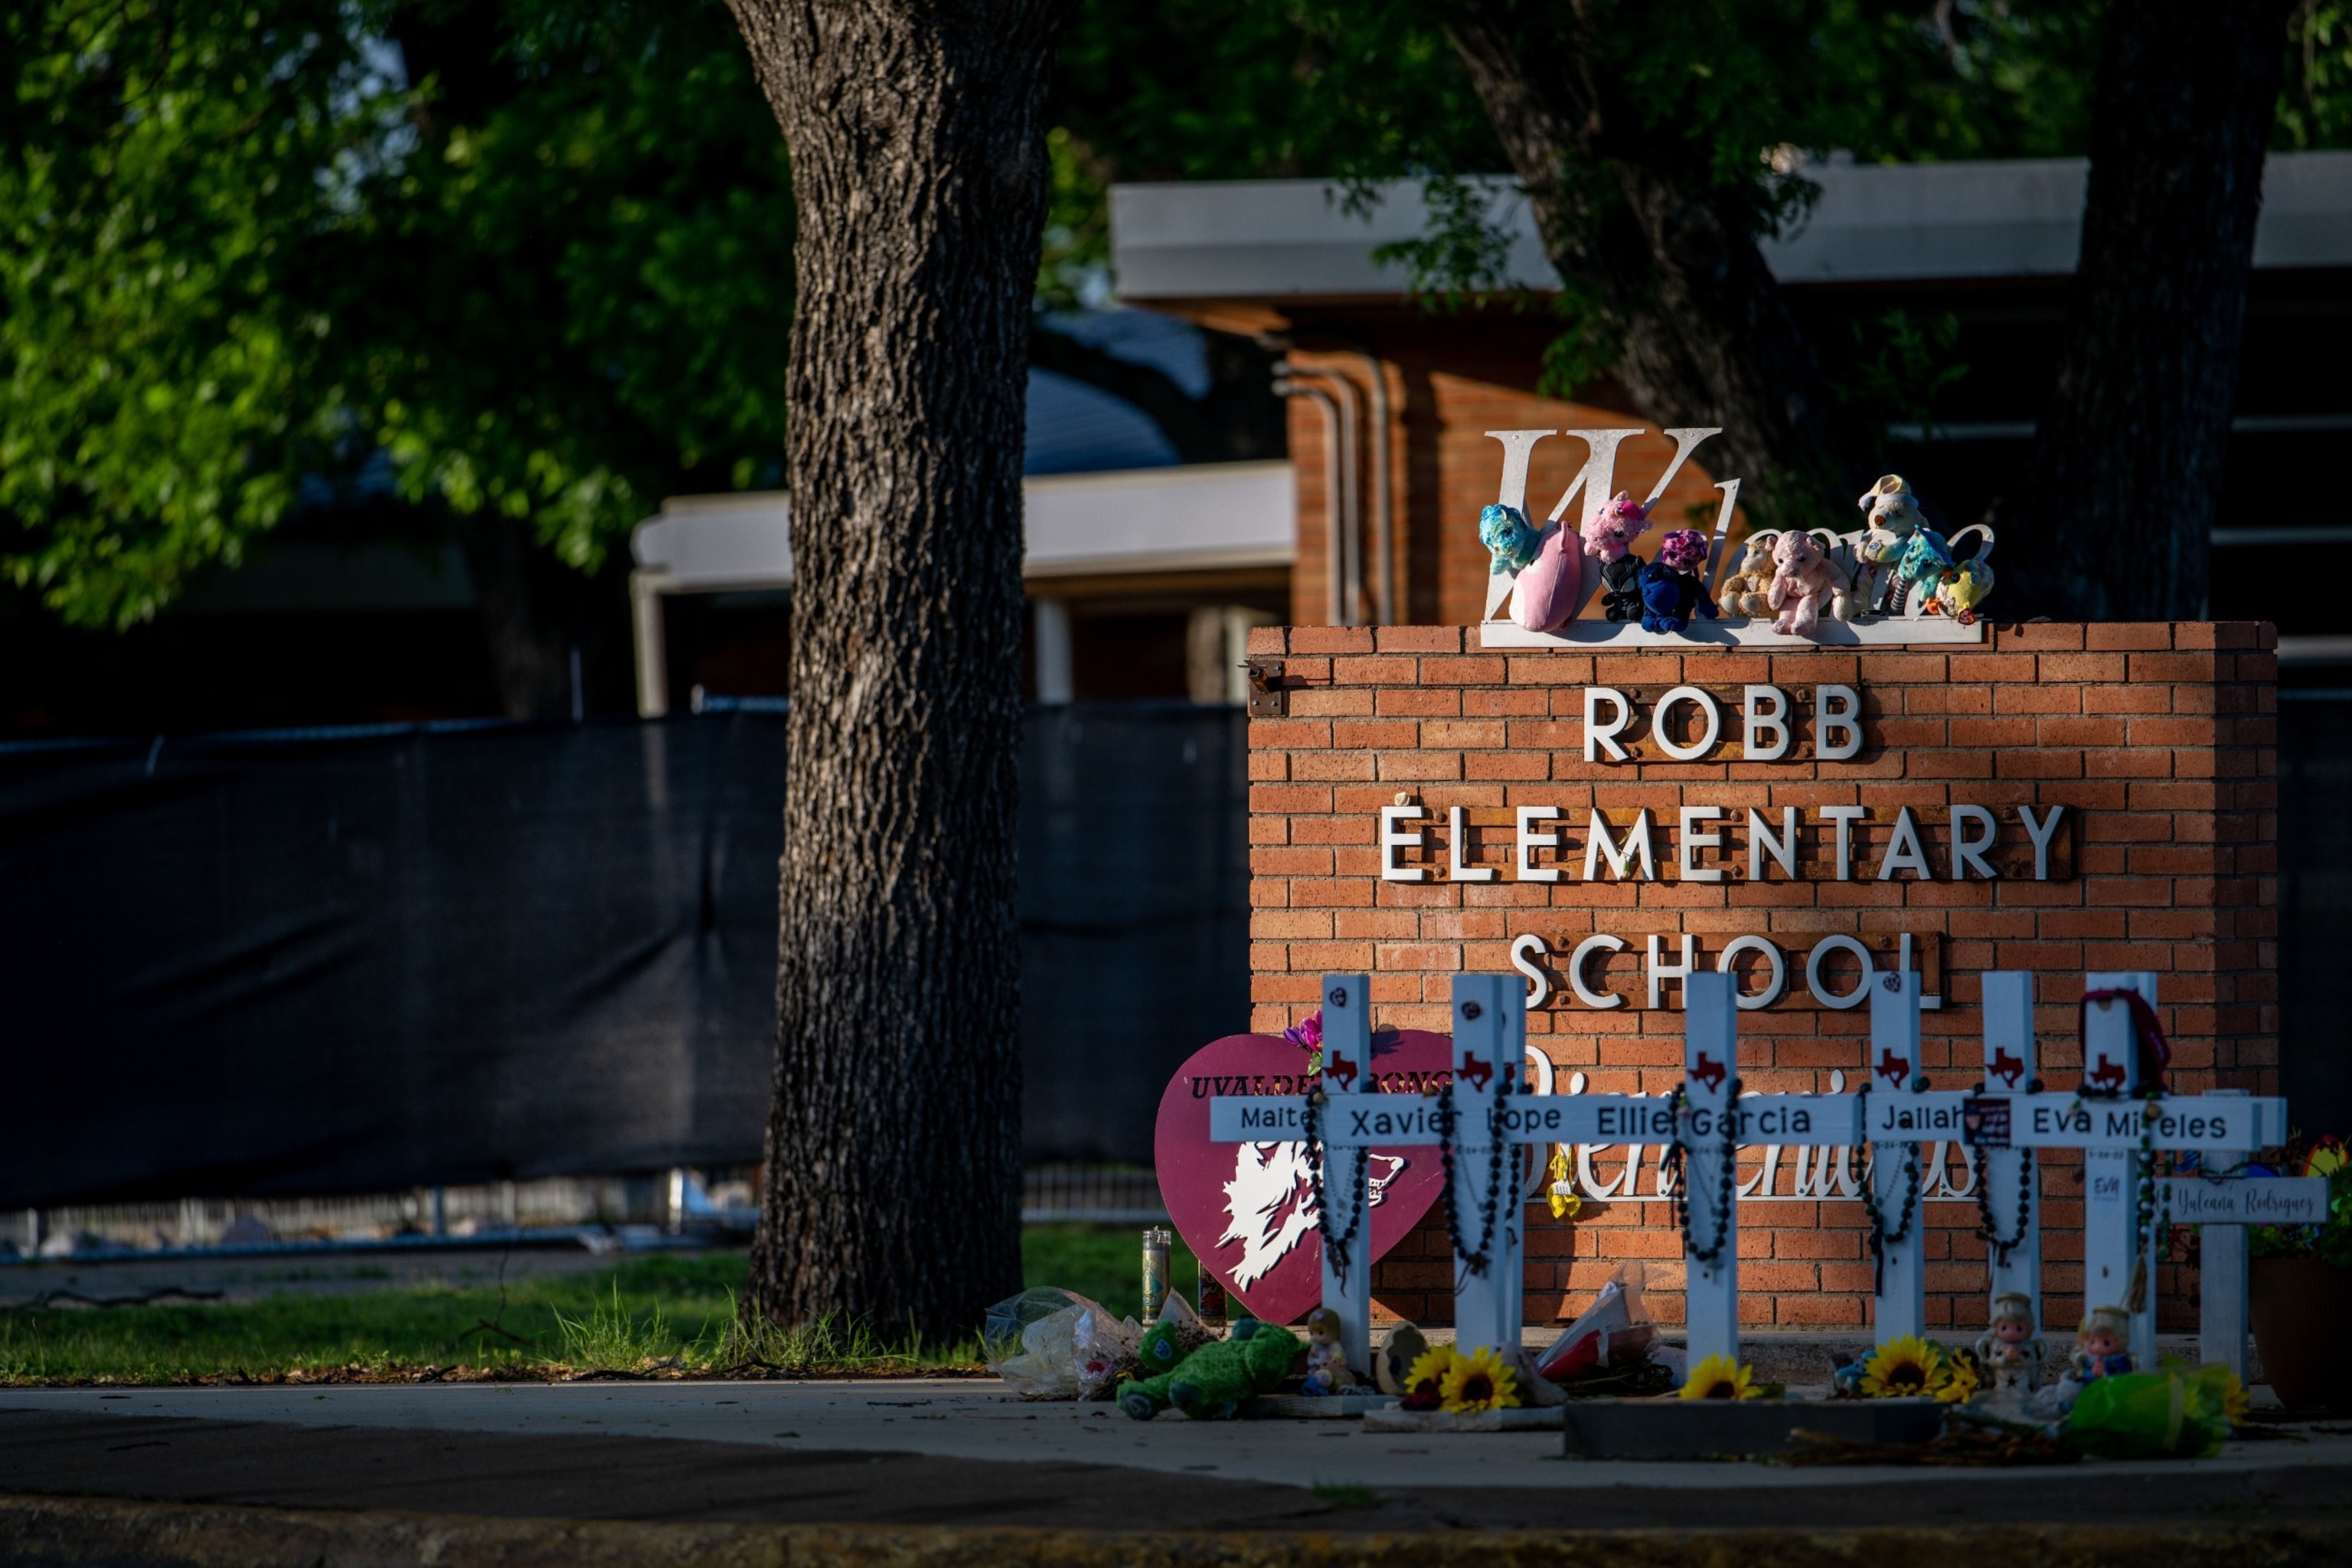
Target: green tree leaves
163,174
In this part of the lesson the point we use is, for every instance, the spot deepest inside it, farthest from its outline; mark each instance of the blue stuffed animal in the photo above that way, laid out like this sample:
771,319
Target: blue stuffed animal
1510,540
1671,589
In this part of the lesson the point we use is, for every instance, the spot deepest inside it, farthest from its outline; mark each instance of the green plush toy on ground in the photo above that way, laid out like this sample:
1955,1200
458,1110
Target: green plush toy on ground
1211,1383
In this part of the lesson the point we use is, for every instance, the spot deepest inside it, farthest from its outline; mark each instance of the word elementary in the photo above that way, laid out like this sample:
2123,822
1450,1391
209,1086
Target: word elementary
1541,852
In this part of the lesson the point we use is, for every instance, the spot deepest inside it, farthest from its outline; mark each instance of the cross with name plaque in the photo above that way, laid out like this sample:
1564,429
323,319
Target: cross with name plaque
1486,1113
2118,1130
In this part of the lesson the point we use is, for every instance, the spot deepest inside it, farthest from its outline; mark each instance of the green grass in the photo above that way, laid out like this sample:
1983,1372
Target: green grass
1105,1262
653,1314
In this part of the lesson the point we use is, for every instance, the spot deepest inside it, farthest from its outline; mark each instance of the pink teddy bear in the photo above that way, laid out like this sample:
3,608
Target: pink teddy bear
1609,534
1803,581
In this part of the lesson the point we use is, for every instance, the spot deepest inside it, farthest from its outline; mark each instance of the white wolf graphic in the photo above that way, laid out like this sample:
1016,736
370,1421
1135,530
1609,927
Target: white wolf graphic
1270,1204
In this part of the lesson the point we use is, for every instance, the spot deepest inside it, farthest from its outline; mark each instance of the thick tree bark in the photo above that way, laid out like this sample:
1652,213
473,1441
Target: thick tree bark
2128,462
1705,335
894,1140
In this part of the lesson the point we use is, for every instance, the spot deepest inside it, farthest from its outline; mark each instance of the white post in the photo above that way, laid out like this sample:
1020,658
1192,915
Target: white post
650,643
1711,1246
1901,1299
1486,1062
2221,1305
2009,1066
1346,1061
2113,1248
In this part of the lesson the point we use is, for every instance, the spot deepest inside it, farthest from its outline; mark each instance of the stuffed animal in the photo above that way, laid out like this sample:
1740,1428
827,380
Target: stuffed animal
1898,551
1802,581
1549,588
1510,539
1211,1383
1964,587
1672,591
1745,589
1609,535
1924,563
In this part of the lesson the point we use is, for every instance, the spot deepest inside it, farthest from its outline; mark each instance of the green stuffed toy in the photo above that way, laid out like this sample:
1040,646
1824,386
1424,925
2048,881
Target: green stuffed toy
1211,1383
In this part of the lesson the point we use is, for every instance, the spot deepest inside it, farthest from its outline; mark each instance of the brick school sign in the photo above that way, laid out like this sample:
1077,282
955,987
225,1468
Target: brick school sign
2055,798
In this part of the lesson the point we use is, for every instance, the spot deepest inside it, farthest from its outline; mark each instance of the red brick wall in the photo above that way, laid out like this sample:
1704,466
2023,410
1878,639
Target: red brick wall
2157,739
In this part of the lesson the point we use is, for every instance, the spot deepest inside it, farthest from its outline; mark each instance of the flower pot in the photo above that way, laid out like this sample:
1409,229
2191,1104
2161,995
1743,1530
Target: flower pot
2302,1308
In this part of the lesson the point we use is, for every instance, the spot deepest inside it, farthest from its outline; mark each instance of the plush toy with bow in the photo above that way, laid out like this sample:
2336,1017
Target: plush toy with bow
1609,535
1671,589
1803,580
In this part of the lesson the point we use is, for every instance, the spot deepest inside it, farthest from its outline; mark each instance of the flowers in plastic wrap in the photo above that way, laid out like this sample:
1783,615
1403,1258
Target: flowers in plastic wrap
1476,1381
1721,1377
1049,1343
2169,1413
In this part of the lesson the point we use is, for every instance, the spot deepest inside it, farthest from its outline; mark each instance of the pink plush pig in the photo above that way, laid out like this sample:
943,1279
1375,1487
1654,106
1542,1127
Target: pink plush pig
1546,594
1802,581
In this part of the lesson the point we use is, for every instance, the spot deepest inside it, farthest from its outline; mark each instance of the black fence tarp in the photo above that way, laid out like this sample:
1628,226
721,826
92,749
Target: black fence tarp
369,959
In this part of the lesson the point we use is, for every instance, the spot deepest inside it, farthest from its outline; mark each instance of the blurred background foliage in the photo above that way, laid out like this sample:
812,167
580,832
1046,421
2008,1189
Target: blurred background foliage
527,264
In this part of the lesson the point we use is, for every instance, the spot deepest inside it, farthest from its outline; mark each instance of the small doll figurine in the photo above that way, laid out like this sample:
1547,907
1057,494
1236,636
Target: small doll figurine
1672,591
2099,1345
2011,1350
1326,1357
1609,535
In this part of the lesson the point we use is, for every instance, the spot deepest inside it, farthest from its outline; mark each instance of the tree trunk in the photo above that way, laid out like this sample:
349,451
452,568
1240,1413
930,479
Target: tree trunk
523,616
2128,466
894,1138
1702,334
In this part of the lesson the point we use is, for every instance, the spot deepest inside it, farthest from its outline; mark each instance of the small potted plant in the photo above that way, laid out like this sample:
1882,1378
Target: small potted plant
2301,1287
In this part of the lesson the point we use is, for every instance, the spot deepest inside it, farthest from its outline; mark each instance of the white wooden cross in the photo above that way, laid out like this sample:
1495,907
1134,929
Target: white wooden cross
2010,1187
1489,1019
2117,1131
1715,1120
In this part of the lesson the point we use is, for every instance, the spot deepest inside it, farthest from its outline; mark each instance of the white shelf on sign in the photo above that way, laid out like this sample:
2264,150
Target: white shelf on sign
1888,631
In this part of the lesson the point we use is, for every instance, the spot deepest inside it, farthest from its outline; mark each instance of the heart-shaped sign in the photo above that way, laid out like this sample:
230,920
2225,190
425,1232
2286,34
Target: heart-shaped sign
1247,1210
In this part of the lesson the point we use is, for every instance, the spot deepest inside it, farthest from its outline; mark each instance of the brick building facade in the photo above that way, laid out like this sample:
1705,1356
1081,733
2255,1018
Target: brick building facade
2157,741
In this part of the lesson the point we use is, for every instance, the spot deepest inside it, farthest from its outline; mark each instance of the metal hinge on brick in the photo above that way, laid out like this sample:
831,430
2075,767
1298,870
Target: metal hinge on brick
1267,697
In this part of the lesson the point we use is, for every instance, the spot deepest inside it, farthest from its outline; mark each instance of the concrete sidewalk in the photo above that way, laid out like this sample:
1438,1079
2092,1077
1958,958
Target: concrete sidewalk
962,1453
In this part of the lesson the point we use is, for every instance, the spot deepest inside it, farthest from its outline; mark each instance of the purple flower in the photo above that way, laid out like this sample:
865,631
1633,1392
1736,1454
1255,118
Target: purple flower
1308,1033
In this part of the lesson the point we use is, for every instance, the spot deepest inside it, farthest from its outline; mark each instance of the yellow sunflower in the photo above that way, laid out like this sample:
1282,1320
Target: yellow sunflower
1903,1369
1426,1377
1479,1381
1720,1377
1961,1375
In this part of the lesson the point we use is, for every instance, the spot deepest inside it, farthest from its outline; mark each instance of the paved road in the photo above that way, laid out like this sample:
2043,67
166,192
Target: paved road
935,1451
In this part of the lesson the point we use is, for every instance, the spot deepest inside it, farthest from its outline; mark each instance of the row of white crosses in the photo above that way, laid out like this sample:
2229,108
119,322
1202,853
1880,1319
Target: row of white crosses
2006,1119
